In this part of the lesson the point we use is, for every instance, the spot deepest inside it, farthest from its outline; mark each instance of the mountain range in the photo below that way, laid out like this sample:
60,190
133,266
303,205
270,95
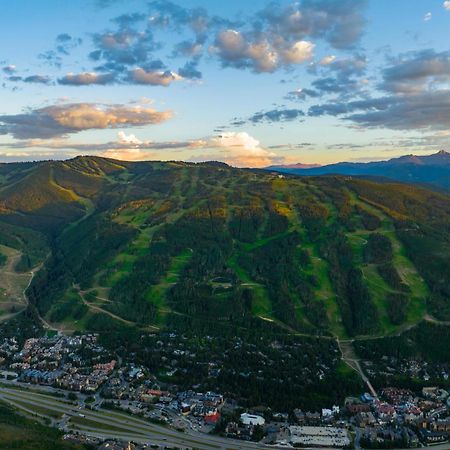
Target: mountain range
151,245
432,170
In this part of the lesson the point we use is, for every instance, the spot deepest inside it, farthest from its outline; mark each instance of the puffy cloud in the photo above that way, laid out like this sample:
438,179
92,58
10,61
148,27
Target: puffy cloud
153,77
278,36
299,52
240,150
117,50
86,78
128,154
124,138
60,120
446,5
260,53
339,22
237,149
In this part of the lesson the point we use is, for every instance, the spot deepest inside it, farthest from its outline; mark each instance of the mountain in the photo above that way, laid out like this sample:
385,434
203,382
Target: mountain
295,166
153,245
432,169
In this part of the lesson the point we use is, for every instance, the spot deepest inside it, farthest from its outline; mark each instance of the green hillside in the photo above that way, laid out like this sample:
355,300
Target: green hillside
152,245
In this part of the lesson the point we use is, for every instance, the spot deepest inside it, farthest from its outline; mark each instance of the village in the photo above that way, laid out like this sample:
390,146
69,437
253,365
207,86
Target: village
81,369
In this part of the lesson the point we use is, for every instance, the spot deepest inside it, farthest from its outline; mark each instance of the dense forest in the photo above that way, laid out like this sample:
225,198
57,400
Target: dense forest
150,243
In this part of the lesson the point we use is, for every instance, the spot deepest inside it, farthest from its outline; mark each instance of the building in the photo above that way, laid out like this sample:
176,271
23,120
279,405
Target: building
212,419
252,419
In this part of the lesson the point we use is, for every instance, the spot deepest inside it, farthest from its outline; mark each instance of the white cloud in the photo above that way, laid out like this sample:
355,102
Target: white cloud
327,60
153,78
427,17
240,150
299,52
128,154
128,138
446,5
262,53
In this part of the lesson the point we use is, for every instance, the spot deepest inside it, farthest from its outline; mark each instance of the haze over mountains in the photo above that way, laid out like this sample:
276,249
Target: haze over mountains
433,169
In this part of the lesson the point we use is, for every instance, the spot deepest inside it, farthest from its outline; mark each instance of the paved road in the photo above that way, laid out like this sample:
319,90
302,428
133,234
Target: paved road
104,423
108,424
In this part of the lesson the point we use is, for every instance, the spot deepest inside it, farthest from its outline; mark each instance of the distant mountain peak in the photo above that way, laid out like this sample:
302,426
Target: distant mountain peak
428,169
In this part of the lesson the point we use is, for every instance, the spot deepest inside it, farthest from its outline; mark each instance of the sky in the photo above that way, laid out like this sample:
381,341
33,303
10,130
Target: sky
252,84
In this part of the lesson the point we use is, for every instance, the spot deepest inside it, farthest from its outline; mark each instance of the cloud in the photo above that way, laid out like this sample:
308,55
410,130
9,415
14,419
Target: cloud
236,49
342,86
41,79
277,115
61,120
427,111
239,150
339,22
302,94
299,52
188,48
9,69
277,37
123,141
417,72
190,71
117,50
424,111
64,44
128,154
446,5
427,17
273,38
340,77
327,60
413,94
152,77
87,78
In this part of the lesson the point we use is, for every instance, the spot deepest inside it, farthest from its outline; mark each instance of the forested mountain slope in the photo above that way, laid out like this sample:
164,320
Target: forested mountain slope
153,244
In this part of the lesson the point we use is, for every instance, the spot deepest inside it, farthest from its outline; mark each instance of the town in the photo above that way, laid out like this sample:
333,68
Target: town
81,370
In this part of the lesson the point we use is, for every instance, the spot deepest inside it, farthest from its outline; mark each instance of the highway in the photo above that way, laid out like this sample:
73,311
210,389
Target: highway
113,424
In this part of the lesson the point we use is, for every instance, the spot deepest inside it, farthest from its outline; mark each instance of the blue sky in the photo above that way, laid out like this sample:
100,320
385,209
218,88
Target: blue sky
249,83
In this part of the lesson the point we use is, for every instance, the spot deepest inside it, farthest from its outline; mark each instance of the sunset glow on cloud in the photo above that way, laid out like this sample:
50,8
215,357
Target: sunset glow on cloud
247,84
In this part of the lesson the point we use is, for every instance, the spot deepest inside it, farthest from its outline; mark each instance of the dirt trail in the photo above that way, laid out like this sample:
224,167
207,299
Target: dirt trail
14,284
104,311
350,358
